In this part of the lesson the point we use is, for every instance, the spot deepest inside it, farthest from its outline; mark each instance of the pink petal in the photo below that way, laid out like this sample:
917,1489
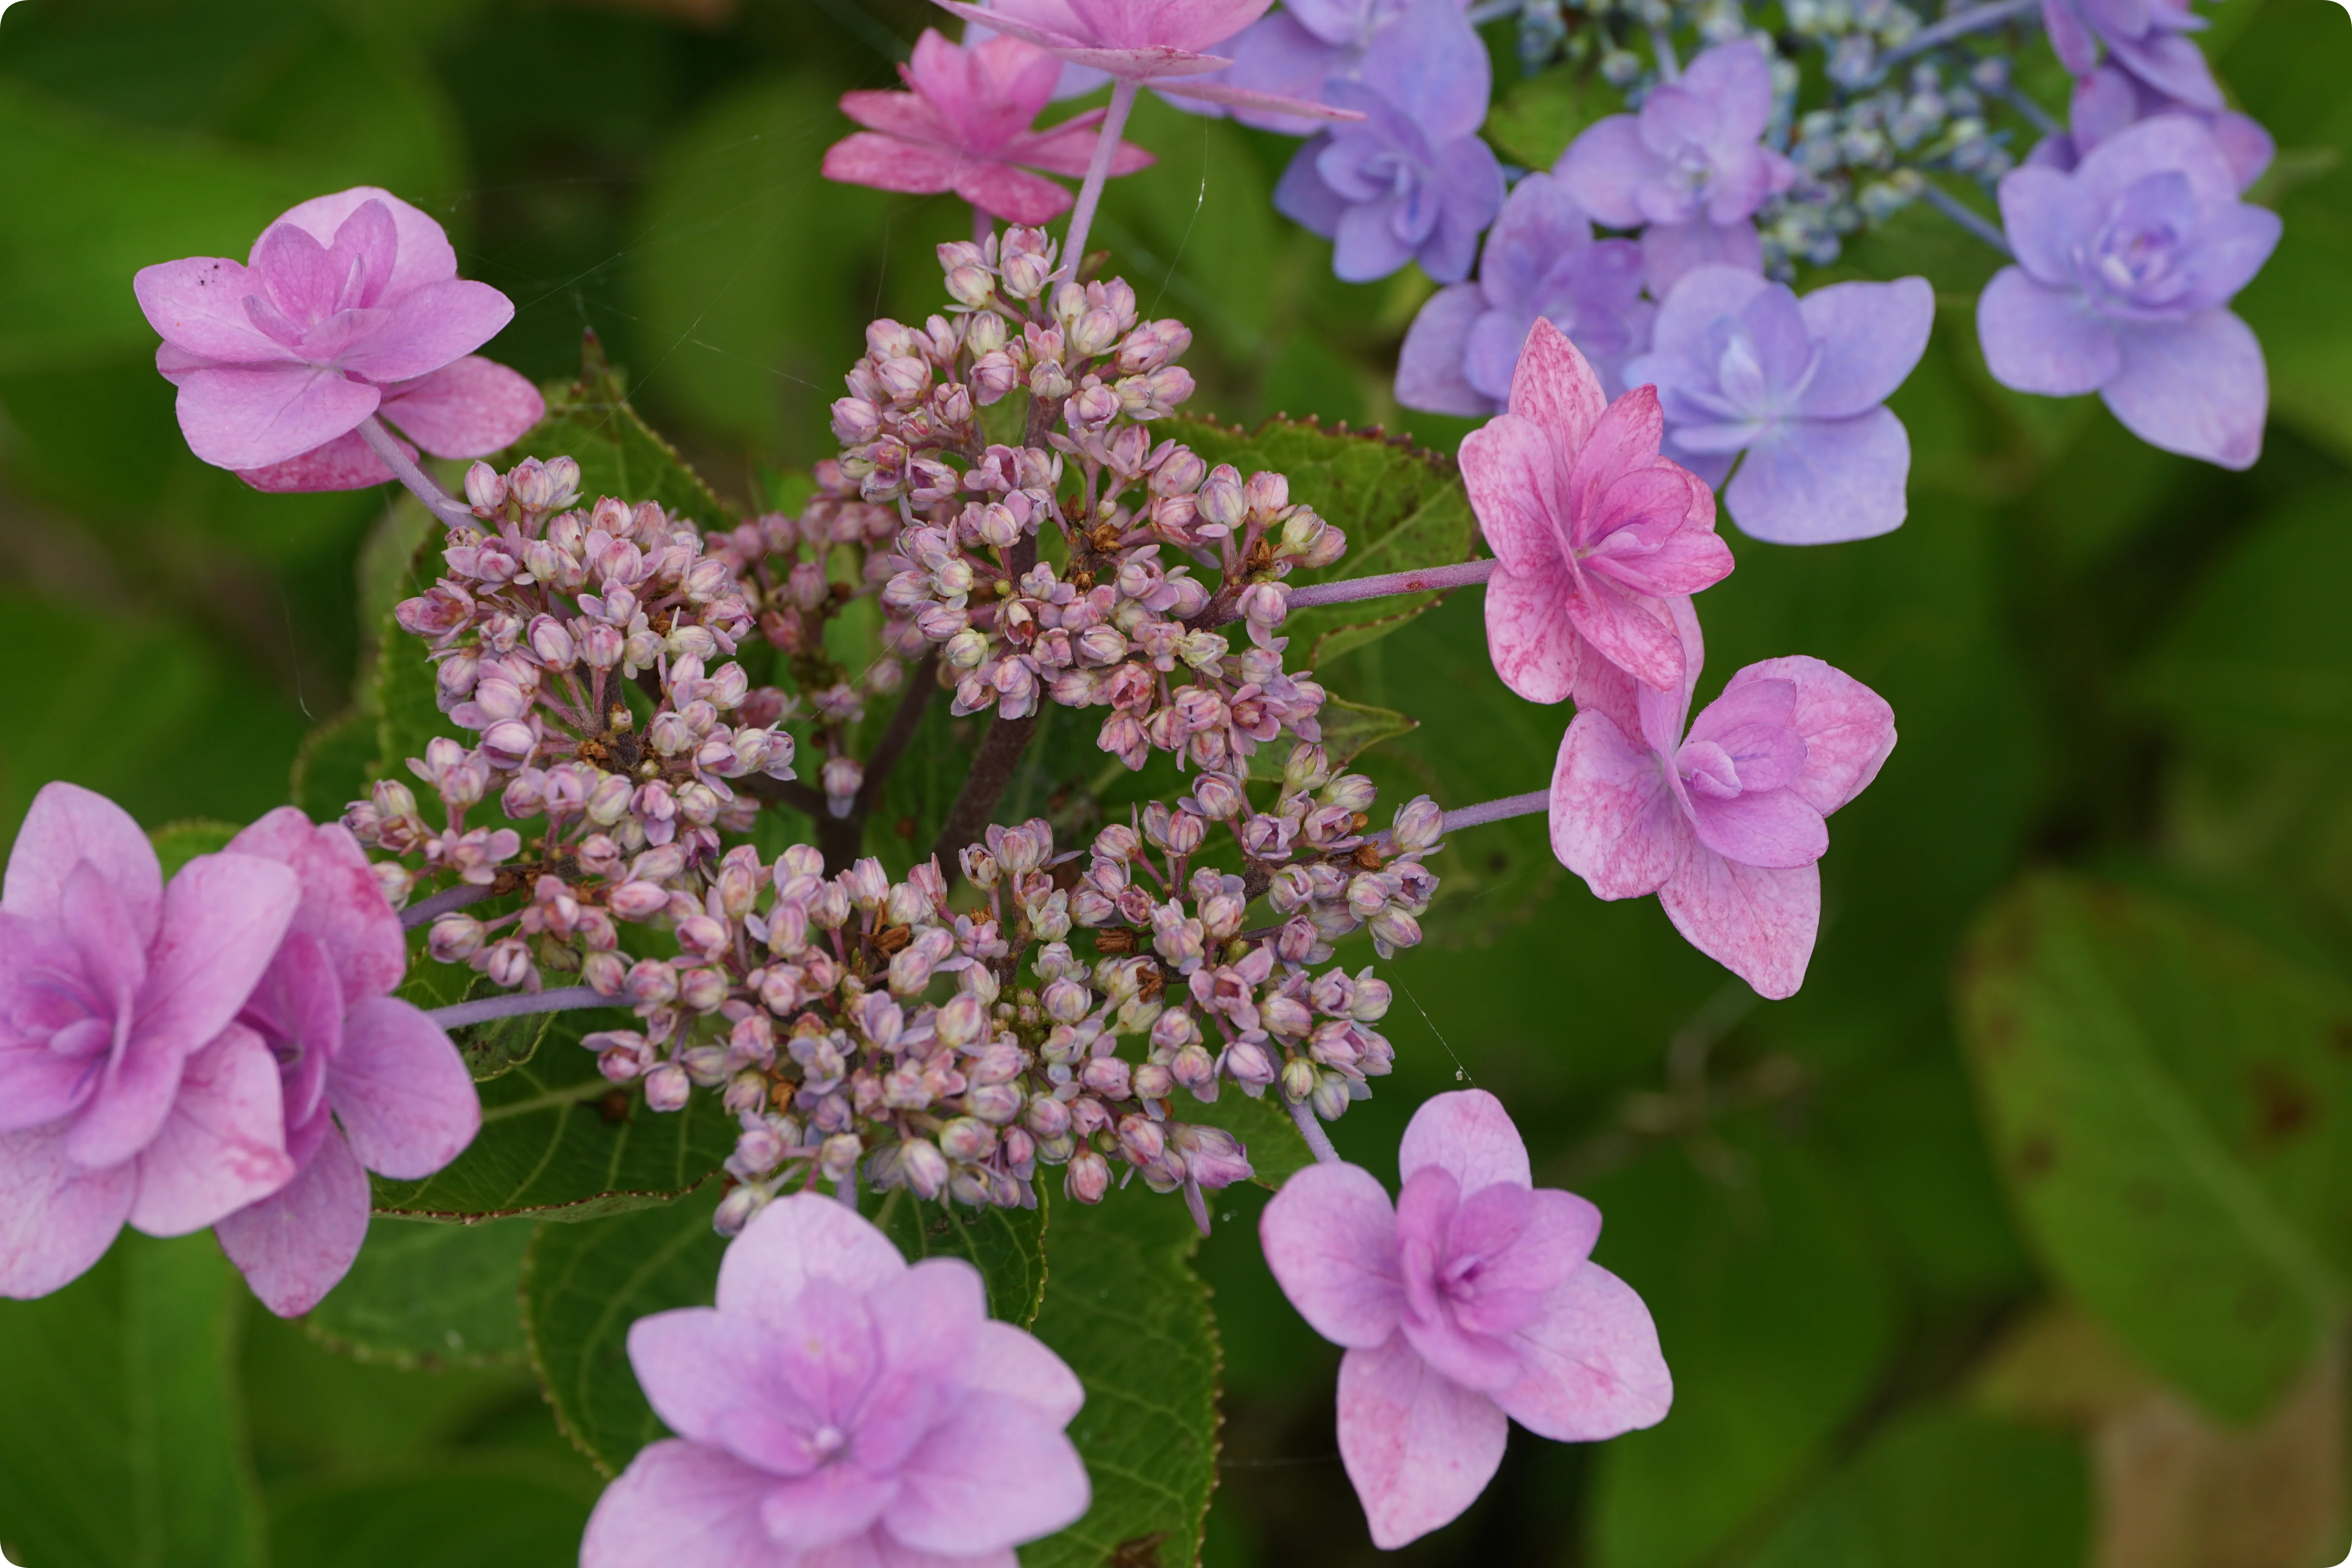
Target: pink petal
198,307
1012,195
1417,1449
682,1503
56,1218
899,116
1555,386
707,1376
796,1239
1139,63
1758,923
1614,820
1329,1236
345,463
1623,441
429,329
297,1245
996,1473
1512,468
224,1145
251,417
342,906
1554,1240
1467,1133
1067,146
827,1509
401,1090
1631,632
1534,647
424,258
1017,1364
470,407
1772,827
1232,97
2196,386
1593,1364
1847,728
67,824
890,164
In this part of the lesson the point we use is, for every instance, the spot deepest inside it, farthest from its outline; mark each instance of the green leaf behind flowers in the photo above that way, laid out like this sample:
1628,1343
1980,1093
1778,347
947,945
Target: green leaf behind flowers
1007,1246
430,1295
619,455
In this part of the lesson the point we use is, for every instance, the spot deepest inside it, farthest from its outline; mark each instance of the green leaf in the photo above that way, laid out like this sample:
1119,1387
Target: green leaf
1943,1489
1007,1246
1776,1320
2138,1066
1350,729
1534,121
334,766
1124,1308
582,1286
177,843
559,1141
618,453
497,1510
1275,1149
1399,506
430,1295
123,1441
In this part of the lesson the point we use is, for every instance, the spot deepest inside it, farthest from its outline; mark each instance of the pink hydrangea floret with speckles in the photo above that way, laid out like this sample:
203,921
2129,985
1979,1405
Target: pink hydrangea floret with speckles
1592,530
1158,41
129,1092
965,126
1725,823
1471,1302
841,1407
368,1081
350,306
2125,272
1689,169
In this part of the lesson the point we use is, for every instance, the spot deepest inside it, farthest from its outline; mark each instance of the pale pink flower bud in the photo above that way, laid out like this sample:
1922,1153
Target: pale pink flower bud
651,982
922,1167
966,1138
508,964
486,489
1393,928
668,1087
1352,793
1088,1177
604,972
454,937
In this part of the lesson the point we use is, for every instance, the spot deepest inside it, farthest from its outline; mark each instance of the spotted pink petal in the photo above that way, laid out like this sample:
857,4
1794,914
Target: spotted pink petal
342,907
297,1245
1015,195
470,407
56,1217
197,306
891,163
345,463
1759,924
223,1145
1513,470
1534,647
1614,820
1417,1449
1591,1365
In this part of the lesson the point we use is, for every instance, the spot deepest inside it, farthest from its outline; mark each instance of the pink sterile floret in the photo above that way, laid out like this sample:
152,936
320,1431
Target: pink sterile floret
350,306
368,1082
1725,824
965,127
1473,1302
838,1407
1158,41
127,1090
1592,530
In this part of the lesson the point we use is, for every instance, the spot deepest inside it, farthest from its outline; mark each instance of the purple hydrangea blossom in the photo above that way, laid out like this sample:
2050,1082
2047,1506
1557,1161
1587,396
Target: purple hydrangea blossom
350,307
128,1090
839,1408
1471,1302
1300,50
1540,259
1689,167
1725,823
368,1081
2110,98
1741,364
2144,36
2125,271
1410,181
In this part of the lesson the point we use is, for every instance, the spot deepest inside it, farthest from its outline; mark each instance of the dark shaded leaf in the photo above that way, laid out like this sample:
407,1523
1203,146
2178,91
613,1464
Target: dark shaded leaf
592,423
430,1295
177,843
1007,1246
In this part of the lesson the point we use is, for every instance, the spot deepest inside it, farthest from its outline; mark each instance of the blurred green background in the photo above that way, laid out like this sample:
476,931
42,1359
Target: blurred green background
2018,1237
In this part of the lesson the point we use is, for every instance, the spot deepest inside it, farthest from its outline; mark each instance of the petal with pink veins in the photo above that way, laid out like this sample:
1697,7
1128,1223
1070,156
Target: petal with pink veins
1555,387
345,463
297,1245
470,407
56,1218
1329,1238
795,1239
66,825
253,417
1848,730
1511,466
1534,645
1614,818
401,1090
1417,1449
1015,195
224,1145
888,164
1773,827
1758,923
343,905
1592,1365
1467,1133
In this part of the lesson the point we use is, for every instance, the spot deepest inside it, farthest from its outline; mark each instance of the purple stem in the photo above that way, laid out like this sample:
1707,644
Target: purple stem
982,226
1966,217
1959,25
1312,1128
1487,811
845,1190
1082,217
515,1006
441,903
1424,580
420,484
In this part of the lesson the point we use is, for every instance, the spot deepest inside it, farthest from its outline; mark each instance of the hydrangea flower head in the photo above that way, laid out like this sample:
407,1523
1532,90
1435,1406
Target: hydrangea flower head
1741,364
368,1081
1470,1302
1301,49
2110,98
1412,181
1690,165
1540,259
350,306
965,126
128,1090
838,1407
1592,530
1724,823
1158,41
2146,38
2125,271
